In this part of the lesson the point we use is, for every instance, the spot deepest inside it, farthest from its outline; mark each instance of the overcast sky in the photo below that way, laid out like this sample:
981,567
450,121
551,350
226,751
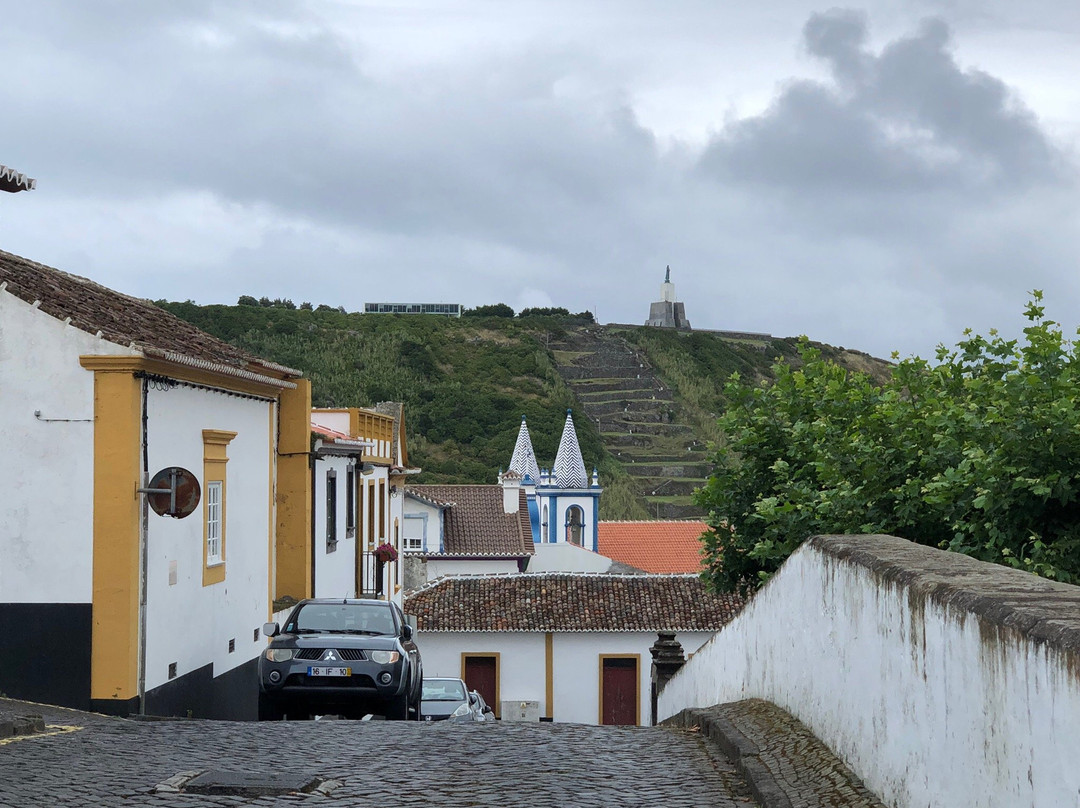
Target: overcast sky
876,176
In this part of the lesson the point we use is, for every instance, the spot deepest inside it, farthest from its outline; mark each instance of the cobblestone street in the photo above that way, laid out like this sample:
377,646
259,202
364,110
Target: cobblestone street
119,762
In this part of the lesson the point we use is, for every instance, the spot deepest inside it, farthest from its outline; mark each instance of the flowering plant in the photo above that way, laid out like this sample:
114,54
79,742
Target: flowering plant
385,552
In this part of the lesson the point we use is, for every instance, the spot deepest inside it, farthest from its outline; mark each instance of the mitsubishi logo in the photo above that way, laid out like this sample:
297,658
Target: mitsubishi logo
330,656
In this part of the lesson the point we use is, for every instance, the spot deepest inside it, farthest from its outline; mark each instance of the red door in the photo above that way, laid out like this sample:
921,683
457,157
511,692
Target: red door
620,692
480,675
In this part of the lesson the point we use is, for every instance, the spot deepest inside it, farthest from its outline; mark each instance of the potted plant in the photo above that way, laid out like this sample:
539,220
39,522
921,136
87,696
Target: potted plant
385,553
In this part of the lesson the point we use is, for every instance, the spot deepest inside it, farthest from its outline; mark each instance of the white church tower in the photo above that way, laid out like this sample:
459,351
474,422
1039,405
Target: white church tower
564,503
567,497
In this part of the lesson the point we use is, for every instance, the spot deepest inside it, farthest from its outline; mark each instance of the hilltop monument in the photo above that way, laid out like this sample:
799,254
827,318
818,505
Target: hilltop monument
666,312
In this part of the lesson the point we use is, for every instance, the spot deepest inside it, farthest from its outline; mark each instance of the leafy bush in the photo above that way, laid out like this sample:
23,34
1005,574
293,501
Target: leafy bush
494,310
978,453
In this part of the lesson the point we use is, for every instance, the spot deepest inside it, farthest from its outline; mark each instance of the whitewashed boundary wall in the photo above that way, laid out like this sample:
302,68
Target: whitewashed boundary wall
941,680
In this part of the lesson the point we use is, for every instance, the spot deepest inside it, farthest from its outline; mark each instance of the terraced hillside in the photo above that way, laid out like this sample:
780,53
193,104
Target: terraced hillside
637,416
651,395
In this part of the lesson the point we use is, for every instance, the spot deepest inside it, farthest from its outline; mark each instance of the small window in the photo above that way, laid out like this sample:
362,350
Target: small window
575,524
331,509
213,522
350,502
413,535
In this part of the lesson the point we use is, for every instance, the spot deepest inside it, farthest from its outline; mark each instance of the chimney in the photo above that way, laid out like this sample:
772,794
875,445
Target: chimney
511,485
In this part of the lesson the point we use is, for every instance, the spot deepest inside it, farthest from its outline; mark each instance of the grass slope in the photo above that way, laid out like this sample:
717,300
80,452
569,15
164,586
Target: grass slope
467,382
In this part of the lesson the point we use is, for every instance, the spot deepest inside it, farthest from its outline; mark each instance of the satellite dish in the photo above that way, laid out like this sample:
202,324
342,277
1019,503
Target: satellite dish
173,491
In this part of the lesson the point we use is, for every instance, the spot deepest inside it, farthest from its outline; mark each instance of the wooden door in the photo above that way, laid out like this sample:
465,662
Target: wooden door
619,691
482,675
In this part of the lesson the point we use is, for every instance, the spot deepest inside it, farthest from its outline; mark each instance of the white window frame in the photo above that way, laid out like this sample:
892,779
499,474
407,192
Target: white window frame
214,490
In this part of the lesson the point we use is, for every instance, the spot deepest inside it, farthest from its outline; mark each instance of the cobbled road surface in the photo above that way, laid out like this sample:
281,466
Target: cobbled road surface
120,762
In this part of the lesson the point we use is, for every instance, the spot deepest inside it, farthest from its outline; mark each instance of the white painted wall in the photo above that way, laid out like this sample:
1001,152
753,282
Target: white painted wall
335,570
577,669
521,660
567,558
926,706
189,623
46,508
429,516
439,567
329,419
575,665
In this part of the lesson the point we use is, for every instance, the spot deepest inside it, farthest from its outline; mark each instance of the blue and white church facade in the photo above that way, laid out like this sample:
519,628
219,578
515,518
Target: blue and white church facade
564,501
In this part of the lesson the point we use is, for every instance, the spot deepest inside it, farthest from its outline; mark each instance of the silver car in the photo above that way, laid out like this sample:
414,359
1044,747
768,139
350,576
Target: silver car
449,700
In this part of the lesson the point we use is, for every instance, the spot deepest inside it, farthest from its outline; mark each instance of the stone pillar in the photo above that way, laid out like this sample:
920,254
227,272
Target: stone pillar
668,658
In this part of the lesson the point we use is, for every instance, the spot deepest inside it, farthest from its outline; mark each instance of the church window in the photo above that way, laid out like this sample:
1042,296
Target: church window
575,524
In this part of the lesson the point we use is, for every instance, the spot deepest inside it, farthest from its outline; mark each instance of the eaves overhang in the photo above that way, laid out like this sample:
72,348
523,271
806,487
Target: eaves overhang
187,369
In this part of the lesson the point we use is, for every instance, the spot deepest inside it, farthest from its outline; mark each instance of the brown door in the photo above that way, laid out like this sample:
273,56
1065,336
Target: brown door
481,673
619,692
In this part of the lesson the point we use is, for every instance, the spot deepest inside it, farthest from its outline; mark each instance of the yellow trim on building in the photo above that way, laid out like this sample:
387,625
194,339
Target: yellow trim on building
114,659
183,373
637,686
271,510
549,675
215,457
293,499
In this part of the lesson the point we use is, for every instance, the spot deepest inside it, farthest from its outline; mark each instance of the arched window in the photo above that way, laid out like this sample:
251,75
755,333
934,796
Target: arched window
575,524
544,525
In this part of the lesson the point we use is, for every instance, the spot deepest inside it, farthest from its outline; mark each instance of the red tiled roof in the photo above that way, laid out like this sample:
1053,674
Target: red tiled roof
327,432
122,319
475,523
571,602
660,547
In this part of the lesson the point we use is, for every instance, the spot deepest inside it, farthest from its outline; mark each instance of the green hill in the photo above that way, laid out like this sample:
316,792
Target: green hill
644,399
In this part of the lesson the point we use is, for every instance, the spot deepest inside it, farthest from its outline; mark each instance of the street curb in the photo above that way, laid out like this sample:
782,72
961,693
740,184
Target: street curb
743,753
21,725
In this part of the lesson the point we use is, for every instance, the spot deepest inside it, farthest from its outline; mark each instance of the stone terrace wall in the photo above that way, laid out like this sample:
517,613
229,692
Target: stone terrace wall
941,680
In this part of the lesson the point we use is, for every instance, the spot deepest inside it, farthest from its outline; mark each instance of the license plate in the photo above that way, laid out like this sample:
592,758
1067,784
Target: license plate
312,671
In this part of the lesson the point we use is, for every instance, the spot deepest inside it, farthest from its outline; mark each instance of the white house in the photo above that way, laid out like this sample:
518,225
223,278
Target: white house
335,472
359,468
575,645
114,595
454,529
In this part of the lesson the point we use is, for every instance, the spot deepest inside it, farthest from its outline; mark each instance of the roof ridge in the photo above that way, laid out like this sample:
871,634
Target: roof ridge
27,277
652,522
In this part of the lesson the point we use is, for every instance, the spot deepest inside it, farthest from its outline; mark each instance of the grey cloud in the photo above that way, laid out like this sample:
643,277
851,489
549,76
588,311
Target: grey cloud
906,119
872,209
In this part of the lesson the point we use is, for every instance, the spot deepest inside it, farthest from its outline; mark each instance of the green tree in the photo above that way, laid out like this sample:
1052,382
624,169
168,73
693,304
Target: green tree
978,453
494,310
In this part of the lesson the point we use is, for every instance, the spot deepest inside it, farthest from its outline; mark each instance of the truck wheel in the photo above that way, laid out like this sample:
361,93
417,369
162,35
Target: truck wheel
397,709
269,709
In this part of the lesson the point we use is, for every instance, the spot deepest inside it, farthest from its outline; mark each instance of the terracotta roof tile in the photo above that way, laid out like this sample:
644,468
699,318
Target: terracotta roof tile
661,547
571,602
475,522
122,319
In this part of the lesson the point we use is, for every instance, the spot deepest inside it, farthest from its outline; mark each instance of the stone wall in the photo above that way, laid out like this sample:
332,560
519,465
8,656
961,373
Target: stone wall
941,680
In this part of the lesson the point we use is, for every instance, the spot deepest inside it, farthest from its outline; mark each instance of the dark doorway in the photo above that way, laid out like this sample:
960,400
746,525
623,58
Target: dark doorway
619,691
482,675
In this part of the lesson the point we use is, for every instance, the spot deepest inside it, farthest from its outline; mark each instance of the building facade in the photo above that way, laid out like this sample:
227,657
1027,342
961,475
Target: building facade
566,647
114,596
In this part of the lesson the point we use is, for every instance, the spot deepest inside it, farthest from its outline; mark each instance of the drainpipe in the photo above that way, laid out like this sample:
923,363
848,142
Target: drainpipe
144,529
313,462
